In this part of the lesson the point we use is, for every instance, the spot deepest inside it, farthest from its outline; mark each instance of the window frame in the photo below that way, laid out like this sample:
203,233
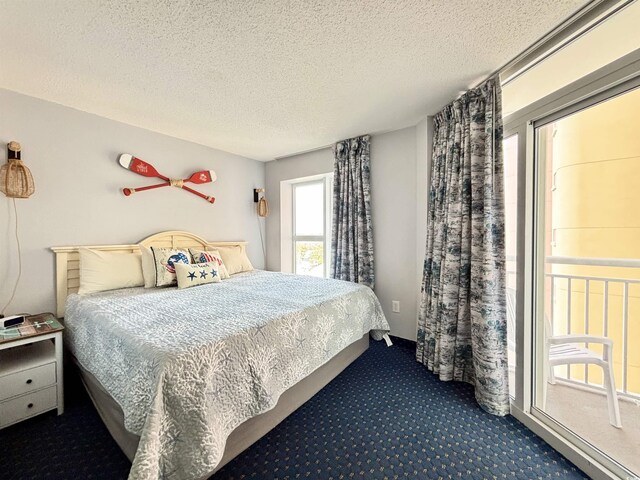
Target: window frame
326,180
616,78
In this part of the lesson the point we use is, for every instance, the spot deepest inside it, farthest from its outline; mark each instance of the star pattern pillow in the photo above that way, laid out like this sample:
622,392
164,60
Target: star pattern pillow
165,260
202,256
197,274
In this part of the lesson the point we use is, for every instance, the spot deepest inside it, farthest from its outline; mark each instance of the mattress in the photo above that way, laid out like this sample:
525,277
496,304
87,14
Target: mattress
188,366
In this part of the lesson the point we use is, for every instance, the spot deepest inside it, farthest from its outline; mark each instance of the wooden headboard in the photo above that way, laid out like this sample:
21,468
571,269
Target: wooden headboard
68,258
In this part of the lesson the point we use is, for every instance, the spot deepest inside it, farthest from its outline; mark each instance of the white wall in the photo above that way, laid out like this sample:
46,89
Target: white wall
393,203
73,157
305,165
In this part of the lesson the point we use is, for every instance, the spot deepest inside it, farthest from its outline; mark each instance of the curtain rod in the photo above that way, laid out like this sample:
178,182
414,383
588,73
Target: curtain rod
571,29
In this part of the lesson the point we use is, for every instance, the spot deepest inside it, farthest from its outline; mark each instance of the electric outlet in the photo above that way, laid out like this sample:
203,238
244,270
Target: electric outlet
395,306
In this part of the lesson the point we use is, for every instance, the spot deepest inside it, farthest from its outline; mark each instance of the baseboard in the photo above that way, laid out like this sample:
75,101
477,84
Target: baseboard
584,462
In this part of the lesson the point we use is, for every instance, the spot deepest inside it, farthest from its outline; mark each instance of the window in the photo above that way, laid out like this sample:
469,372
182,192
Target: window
308,245
311,222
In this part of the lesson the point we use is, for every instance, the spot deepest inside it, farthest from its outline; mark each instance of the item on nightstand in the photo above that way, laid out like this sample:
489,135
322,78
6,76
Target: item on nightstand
32,325
31,369
12,321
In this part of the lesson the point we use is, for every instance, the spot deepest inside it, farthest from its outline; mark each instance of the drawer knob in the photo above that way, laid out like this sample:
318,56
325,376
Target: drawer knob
29,381
30,405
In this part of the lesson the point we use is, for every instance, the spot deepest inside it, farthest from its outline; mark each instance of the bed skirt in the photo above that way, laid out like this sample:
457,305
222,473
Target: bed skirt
246,433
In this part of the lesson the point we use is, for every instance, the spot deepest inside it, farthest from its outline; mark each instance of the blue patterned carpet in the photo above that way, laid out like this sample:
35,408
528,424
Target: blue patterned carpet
384,417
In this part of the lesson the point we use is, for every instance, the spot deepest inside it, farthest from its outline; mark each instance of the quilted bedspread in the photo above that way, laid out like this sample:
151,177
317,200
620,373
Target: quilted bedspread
189,366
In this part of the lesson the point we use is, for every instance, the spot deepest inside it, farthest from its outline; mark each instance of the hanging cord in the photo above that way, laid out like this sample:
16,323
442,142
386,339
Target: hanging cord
15,286
264,252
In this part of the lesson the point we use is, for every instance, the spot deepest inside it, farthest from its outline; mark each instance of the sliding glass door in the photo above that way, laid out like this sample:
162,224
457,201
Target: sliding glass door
586,276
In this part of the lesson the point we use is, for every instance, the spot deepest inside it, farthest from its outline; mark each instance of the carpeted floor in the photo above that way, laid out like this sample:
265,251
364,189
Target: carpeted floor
384,417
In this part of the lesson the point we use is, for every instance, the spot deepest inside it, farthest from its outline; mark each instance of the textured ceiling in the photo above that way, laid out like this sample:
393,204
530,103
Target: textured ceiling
263,79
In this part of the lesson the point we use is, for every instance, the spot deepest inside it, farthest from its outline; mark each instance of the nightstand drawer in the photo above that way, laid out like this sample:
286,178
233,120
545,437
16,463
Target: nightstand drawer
25,406
27,380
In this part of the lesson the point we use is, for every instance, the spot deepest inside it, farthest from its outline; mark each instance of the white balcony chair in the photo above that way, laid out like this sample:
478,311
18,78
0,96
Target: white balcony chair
563,350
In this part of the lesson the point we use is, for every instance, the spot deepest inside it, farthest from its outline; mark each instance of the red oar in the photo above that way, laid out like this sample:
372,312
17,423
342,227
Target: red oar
129,191
139,166
145,169
201,195
205,176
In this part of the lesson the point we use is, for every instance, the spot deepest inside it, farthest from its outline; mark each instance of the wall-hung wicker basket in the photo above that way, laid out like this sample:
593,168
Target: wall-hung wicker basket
263,206
16,180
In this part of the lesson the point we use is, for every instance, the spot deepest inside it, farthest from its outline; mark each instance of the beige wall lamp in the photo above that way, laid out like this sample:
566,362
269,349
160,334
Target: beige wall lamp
16,180
263,206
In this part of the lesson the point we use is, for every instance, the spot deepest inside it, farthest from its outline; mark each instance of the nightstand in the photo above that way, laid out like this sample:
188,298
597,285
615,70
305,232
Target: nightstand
31,369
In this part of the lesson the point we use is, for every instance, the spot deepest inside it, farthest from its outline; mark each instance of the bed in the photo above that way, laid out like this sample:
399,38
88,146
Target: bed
185,380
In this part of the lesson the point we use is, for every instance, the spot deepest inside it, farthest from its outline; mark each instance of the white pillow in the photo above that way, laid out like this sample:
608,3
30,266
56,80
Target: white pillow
148,267
235,259
165,260
101,271
197,274
205,256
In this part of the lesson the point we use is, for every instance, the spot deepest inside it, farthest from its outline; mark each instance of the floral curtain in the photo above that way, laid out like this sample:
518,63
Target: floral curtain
352,232
462,323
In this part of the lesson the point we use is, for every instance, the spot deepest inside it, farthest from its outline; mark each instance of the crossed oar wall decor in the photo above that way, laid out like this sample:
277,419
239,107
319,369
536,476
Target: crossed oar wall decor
145,169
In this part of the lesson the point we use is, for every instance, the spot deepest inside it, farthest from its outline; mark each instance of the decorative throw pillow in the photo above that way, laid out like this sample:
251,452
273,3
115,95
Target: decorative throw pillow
197,274
165,260
235,259
100,270
148,267
202,256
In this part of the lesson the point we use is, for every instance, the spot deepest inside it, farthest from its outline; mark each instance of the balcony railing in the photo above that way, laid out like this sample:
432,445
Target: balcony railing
585,298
